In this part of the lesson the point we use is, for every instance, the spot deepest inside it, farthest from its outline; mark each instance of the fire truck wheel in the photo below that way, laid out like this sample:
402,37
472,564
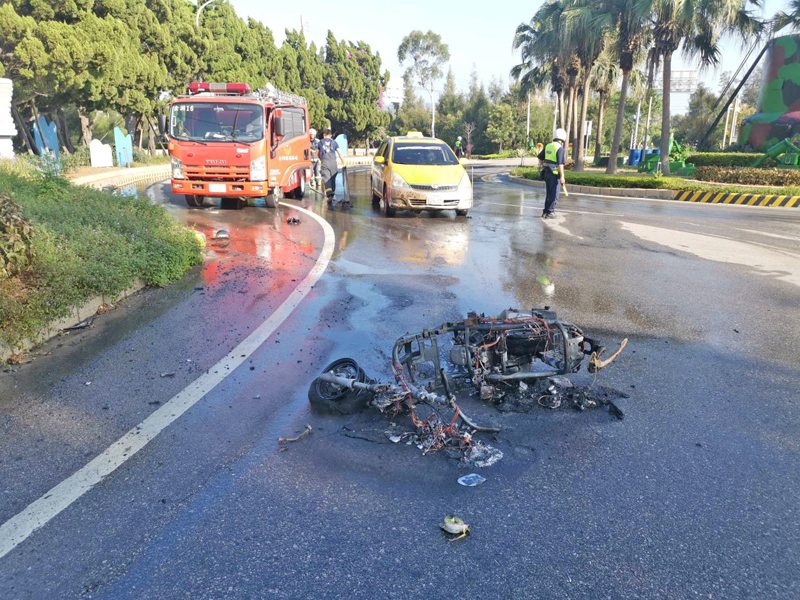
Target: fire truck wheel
194,201
271,201
299,192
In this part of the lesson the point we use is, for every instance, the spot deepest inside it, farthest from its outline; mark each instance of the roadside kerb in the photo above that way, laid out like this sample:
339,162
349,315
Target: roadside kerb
680,196
79,314
125,176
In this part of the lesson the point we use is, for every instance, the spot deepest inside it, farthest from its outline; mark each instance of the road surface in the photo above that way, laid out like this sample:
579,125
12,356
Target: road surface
693,494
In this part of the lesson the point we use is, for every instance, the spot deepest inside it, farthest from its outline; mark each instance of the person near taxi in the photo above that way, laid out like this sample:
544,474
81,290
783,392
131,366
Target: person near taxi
459,148
553,157
328,151
316,181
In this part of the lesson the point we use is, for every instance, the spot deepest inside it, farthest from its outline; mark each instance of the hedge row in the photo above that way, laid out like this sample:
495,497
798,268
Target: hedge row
84,243
749,176
728,159
662,183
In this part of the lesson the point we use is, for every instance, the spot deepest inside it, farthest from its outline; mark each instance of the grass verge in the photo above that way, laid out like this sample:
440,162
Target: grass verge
85,243
656,183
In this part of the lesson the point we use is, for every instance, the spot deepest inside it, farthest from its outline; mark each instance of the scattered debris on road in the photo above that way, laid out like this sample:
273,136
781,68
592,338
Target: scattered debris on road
293,221
455,526
164,375
306,431
518,358
87,324
471,480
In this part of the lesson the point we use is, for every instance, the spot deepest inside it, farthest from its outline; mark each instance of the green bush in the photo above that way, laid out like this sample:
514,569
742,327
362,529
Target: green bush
728,159
16,232
749,176
86,243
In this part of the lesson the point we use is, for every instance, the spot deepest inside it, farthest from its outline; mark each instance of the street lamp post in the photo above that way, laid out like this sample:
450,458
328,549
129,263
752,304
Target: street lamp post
200,10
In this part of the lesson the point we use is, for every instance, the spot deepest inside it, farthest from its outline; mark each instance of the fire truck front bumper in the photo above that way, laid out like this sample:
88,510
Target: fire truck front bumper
253,189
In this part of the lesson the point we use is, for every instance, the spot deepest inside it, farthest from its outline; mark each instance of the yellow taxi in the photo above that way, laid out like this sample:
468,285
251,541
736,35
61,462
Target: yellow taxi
417,173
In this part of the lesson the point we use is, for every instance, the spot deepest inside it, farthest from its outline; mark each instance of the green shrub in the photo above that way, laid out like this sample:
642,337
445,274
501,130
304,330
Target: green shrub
16,232
749,176
728,159
86,243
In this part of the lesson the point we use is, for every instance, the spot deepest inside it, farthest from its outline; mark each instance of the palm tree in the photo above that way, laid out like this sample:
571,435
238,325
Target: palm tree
791,18
538,64
606,74
698,25
632,35
586,32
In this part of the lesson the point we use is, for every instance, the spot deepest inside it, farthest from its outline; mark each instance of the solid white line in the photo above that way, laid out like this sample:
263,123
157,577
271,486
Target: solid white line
38,513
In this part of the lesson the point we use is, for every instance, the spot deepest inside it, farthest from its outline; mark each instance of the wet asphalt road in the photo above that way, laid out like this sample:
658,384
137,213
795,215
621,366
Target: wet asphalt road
694,494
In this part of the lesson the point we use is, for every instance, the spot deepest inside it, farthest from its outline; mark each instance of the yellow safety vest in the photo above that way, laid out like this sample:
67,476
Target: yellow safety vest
551,153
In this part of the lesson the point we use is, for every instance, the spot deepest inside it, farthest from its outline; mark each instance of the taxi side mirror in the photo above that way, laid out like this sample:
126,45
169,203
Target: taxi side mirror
463,161
380,160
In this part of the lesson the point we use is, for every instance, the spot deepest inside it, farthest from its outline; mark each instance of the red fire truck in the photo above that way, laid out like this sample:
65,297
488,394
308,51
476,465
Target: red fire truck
227,141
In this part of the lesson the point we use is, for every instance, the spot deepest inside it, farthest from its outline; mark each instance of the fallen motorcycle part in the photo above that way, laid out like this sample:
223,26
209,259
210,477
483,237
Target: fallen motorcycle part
595,362
306,431
455,526
333,397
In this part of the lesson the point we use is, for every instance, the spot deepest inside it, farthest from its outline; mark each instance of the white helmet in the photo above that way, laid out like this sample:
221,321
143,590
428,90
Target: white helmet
459,137
560,134
312,132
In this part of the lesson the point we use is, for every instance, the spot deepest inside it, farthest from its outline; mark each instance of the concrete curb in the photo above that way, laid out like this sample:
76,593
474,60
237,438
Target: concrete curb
80,314
125,176
678,196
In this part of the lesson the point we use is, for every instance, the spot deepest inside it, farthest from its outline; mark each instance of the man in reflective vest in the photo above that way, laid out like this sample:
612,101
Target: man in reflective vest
552,157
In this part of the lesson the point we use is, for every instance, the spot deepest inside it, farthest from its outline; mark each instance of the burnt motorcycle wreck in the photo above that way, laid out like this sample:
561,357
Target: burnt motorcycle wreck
515,354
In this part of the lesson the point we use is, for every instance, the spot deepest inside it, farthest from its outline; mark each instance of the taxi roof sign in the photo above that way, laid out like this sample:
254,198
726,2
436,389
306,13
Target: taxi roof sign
414,134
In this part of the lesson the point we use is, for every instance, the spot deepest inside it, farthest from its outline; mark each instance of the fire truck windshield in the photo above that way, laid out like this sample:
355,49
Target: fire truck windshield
217,122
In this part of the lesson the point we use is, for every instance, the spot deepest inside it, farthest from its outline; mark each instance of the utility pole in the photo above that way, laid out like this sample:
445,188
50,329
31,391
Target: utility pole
555,112
733,120
433,113
200,10
725,132
635,136
528,123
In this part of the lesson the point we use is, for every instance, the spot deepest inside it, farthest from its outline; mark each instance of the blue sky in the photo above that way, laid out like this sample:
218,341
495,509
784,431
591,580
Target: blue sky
478,33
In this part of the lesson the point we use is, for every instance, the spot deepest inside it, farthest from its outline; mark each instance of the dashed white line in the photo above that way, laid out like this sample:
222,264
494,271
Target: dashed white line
17,529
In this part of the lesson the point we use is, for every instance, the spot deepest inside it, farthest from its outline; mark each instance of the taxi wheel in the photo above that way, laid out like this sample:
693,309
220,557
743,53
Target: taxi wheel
388,211
462,213
375,198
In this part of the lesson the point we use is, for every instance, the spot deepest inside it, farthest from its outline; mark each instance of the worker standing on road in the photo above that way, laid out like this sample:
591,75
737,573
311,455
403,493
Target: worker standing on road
459,148
328,150
553,157
315,175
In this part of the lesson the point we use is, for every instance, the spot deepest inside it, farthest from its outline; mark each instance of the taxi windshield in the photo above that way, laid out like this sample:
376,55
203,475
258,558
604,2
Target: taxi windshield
406,153
217,122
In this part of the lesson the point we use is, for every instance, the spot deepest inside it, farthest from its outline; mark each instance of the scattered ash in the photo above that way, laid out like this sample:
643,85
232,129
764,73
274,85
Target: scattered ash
557,393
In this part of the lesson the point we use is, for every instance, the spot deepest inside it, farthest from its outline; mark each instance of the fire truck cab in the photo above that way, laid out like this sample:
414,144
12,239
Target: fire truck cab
227,141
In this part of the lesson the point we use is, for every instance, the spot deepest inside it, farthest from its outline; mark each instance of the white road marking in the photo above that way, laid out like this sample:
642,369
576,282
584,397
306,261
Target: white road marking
772,235
556,225
38,513
776,263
